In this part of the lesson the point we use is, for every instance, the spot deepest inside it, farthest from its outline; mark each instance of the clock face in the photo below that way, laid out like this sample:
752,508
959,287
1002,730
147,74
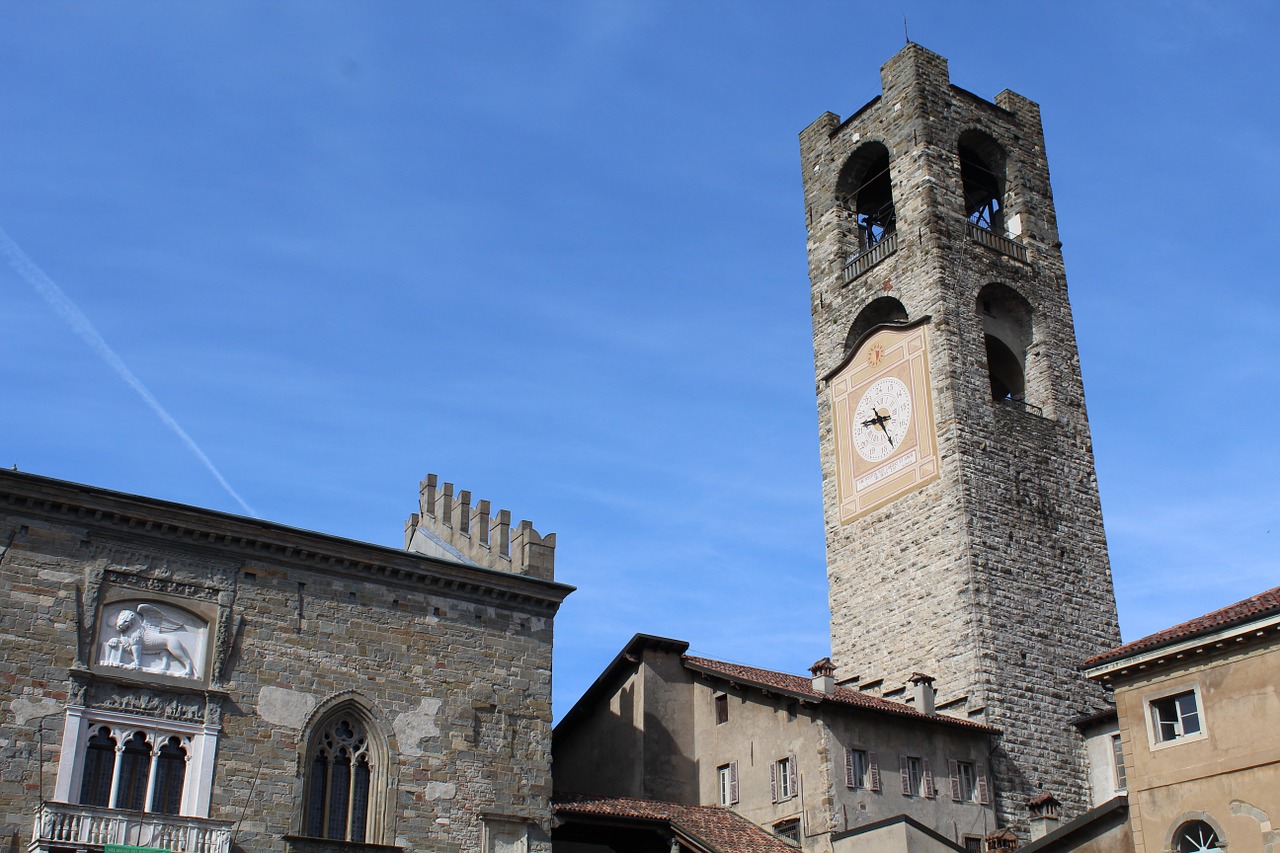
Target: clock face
882,412
881,418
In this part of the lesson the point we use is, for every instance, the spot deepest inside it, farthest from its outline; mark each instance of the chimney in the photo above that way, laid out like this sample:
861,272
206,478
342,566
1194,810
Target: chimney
1044,814
922,692
824,676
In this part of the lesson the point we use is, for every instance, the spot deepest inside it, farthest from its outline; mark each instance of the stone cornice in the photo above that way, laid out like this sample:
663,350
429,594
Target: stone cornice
131,518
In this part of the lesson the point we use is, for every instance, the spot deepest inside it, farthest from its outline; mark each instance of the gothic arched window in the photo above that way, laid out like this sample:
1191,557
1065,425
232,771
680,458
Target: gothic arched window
345,767
170,773
99,768
135,771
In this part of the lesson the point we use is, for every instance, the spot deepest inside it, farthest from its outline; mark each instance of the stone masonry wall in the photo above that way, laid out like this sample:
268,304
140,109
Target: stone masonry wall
993,578
454,661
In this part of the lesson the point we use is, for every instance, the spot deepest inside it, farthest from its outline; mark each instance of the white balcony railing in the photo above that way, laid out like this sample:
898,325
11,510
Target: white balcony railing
60,824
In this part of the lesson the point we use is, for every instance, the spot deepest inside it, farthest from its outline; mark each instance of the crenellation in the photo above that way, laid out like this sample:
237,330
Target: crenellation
450,526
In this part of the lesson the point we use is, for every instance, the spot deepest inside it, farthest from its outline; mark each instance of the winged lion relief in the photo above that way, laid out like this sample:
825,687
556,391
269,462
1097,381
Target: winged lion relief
152,638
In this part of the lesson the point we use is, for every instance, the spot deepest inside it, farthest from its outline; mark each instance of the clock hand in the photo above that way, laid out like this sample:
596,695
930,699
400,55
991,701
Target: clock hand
883,420
880,421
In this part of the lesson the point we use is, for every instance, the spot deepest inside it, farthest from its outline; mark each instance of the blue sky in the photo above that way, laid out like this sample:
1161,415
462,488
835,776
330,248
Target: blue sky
555,252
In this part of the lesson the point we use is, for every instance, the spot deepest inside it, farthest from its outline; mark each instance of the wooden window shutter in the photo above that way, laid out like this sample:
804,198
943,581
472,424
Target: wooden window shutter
984,792
848,768
953,767
794,773
773,781
733,782
906,775
929,790
873,773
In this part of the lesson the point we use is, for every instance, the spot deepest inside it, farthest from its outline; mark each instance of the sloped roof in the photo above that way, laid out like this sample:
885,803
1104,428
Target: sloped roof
715,828
1255,607
803,687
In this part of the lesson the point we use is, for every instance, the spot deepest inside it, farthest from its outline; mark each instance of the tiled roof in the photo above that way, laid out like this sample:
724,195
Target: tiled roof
1263,604
719,829
803,687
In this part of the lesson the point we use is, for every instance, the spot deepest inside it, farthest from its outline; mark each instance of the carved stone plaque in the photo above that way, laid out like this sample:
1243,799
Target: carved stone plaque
152,637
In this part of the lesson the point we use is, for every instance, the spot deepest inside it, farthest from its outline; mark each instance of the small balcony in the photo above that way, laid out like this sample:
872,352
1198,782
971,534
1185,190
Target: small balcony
60,826
992,240
857,265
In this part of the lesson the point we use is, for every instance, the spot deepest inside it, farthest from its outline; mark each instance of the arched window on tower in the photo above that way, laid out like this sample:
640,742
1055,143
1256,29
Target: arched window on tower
885,309
982,174
864,192
346,767
1007,333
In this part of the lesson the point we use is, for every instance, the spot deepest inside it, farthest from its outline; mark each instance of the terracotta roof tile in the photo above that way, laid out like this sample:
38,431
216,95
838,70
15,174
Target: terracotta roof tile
1263,604
802,686
718,828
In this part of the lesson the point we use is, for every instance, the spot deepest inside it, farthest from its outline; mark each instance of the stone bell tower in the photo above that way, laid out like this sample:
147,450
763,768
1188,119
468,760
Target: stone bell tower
964,531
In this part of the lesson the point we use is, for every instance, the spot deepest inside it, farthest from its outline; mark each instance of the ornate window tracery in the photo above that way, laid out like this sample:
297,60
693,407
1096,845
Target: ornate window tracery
346,769
134,769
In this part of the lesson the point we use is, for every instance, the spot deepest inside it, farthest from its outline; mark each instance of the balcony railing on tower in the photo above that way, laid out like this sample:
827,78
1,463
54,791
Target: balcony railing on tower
992,240
860,263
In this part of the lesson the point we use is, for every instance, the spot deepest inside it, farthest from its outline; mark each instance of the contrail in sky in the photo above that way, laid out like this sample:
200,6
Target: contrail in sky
79,323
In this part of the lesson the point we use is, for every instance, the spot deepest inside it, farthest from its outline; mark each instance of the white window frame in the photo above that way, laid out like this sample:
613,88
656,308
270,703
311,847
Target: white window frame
727,783
1151,705
200,741
967,781
1117,764
784,779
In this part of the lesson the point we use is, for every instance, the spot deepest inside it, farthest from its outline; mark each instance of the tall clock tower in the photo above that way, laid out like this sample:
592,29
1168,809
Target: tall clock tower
964,531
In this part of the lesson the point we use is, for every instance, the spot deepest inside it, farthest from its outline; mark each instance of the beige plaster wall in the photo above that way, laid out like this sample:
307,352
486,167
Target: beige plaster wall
1228,776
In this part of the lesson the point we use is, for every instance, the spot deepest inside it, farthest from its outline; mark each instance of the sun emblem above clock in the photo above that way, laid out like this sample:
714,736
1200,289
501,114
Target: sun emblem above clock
882,406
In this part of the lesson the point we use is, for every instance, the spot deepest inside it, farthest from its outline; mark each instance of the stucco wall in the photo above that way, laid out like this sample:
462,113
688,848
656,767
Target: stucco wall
1229,775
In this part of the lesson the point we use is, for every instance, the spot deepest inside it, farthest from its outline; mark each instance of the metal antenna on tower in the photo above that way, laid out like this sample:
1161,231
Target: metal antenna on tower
905,35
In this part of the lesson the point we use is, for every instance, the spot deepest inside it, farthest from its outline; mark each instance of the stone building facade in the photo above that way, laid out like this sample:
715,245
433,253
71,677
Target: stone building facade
964,530
188,680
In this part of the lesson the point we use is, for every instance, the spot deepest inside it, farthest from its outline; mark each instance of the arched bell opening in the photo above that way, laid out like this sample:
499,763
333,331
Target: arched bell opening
982,176
864,192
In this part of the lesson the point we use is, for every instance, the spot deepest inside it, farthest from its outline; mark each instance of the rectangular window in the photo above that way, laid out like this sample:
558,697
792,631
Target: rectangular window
912,776
782,779
722,709
1117,755
917,779
1175,717
855,768
965,787
973,844
727,783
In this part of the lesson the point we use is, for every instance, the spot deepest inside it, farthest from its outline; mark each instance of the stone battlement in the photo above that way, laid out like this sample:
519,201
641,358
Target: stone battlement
448,525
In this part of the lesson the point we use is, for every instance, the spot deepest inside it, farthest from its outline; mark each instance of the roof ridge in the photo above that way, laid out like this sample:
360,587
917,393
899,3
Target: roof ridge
1264,603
